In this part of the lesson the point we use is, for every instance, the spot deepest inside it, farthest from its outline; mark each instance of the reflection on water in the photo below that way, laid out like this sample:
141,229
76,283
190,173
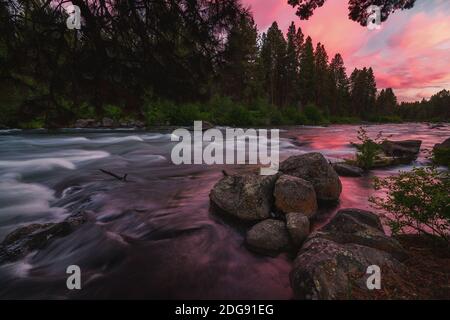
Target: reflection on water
152,237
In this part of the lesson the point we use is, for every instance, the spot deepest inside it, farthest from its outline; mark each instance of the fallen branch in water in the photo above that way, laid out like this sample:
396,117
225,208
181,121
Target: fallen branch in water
124,178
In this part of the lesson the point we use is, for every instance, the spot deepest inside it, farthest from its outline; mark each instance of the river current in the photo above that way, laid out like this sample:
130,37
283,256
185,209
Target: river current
154,235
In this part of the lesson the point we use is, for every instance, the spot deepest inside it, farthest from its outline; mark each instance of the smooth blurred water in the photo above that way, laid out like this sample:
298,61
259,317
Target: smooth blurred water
153,236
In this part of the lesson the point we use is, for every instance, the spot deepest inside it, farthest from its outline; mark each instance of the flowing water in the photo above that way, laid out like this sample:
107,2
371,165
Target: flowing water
153,236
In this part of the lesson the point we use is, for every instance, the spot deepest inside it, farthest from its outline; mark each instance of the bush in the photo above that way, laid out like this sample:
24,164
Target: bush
155,112
441,156
417,200
368,149
113,112
312,114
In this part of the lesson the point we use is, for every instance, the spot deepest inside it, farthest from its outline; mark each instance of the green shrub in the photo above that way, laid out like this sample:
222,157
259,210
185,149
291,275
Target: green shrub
367,149
313,114
441,156
156,112
417,200
112,111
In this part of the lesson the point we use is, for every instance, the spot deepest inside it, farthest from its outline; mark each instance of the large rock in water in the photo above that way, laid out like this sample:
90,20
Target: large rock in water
268,237
313,167
347,170
407,149
37,236
298,227
294,194
335,259
247,197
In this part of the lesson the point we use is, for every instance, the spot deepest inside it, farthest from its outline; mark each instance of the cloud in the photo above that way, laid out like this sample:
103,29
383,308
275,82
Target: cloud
410,53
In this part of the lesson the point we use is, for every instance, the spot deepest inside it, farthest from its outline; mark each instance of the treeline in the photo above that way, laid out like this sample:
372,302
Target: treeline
437,108
171,62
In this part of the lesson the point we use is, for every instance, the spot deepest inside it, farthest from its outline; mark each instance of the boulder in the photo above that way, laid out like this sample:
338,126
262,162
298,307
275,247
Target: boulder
443,145
246,197
294,194
86,123
347,170
298,227
268,237
334,260
108,122
313,167
37,236
408,149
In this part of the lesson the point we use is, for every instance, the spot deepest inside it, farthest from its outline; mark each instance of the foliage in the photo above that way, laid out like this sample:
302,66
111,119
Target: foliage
417,200
441,156
125,50
357,9
112,111
367,149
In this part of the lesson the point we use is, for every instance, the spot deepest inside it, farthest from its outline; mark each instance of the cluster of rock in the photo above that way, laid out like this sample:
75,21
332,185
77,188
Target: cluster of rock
108,123
330,261
36,236
390,153
280,205
333,261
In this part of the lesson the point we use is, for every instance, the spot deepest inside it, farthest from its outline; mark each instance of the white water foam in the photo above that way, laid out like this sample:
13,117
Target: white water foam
26,199
65,159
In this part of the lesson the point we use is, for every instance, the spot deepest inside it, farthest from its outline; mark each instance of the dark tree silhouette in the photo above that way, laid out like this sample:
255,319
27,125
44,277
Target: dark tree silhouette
357,8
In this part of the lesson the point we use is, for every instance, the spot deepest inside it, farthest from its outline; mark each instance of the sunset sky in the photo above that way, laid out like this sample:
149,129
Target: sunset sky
411,52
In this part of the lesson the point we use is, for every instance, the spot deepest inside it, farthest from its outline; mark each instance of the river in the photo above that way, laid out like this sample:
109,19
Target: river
153,236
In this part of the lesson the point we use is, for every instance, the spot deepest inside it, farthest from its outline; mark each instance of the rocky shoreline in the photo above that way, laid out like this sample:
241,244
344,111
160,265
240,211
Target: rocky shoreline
330,263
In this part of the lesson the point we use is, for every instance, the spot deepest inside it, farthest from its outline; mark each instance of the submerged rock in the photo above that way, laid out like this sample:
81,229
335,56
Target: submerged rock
37,236
268,237
246,197
347,170
335,259
408,149
294,194
86,123
313,167
298,227
108,122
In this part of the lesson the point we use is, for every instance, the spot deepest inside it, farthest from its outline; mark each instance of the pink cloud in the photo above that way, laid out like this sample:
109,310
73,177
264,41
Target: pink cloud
411,53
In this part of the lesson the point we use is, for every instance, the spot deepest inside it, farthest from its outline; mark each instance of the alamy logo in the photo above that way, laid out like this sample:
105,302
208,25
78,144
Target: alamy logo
374,18
74,19
236,147
374,280
74,280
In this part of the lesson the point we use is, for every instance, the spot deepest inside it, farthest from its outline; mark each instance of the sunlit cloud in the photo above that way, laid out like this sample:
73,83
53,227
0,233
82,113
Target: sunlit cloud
410,53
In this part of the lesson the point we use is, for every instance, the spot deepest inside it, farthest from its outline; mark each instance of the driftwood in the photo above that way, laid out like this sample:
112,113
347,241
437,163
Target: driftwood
124,178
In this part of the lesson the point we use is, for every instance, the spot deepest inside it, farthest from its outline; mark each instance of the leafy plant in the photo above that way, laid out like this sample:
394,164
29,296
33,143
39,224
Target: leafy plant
368,149
417,200
441,156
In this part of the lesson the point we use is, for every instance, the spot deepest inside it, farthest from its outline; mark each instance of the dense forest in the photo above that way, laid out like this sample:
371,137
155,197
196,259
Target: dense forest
172,62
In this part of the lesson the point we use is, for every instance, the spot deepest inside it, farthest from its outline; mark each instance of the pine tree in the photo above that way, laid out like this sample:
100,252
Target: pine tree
322,80
239,67
306,77
273,56
340,89
295,40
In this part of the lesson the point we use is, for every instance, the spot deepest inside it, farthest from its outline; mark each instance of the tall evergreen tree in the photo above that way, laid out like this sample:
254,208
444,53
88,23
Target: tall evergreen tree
321,78
273,56
307,77
295,39
239,74
340,89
